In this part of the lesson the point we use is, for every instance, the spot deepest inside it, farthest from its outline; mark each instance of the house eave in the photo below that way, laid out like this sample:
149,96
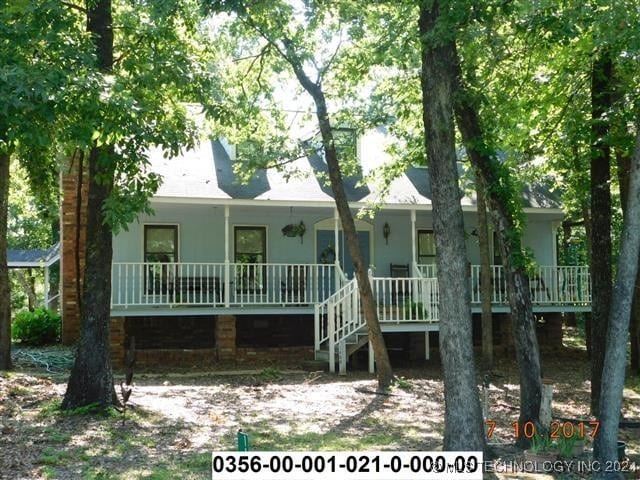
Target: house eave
320,204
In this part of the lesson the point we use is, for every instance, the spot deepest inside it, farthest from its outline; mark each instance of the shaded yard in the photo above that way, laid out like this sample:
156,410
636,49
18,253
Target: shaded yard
178,419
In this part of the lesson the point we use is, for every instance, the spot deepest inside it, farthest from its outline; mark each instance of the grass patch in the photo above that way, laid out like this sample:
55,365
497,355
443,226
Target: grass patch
57,437
270,374
18,391
190,466
50,408
56,457
403,383
312,441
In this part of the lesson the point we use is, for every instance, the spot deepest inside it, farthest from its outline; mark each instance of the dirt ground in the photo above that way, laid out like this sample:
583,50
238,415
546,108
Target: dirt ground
177,420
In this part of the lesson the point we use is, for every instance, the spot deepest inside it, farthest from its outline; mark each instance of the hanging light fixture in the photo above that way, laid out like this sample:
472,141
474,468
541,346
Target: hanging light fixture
386,231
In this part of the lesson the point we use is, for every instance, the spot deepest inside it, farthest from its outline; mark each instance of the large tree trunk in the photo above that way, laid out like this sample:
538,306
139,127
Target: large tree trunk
463,418
28,283
600,219
486,168
485,276
91,379
624,166
586,214
605,447
383,365
5,295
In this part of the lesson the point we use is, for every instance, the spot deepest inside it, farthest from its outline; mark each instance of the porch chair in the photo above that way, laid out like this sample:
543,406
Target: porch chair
539,289
398,289
292,287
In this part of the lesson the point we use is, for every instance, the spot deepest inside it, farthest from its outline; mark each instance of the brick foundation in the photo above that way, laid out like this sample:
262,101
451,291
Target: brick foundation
202,357
226,337
117,342
274,354
69,273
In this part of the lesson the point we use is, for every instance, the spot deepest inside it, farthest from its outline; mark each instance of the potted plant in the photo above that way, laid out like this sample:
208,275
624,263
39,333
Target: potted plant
293,230
542,453
415,310
570,446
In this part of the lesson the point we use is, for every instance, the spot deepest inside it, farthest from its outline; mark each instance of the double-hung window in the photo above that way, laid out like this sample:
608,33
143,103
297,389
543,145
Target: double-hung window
250,248
160,246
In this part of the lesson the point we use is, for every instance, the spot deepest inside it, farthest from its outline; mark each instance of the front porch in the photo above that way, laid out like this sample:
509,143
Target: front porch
323,294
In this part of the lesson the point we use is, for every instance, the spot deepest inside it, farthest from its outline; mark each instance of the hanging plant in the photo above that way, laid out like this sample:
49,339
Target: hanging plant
292,230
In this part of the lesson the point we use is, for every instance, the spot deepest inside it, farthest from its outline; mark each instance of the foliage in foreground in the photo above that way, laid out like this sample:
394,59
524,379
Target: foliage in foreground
40,327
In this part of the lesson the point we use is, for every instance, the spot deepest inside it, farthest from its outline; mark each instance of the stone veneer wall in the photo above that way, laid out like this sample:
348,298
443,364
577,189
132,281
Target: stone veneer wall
68,231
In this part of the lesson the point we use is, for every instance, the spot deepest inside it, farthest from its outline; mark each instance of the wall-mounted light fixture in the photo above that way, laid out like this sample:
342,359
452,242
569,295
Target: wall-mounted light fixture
386,231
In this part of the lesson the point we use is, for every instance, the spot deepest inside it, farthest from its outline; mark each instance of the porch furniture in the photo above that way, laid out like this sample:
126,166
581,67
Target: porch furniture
206,287
159,278
398,288
250,278
539,291
292,288
164,280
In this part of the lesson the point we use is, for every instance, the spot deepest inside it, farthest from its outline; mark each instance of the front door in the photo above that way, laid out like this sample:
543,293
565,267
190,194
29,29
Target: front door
325,249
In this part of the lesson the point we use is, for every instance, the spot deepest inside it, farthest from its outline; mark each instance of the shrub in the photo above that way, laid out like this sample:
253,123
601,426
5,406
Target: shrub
39,327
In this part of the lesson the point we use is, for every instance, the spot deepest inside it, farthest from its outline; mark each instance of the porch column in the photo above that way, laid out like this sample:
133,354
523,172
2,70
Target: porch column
227,269
46,287
413,242
427,353
336,241
372,359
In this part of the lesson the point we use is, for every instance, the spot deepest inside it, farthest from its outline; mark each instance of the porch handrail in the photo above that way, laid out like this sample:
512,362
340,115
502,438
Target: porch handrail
342,277
50,300
336,318
415,270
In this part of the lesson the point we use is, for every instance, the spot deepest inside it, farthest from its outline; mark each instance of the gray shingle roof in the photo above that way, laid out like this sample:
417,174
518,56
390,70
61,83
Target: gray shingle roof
206,172
33,257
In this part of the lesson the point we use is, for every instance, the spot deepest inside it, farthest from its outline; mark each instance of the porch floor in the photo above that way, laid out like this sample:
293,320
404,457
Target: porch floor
146,311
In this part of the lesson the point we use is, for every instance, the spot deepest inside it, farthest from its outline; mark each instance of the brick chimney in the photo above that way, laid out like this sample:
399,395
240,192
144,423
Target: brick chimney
72,240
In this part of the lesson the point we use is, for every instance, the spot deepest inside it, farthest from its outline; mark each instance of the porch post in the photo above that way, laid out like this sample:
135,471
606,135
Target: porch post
426,345
413,242
372,359
46,287
336,241
227,269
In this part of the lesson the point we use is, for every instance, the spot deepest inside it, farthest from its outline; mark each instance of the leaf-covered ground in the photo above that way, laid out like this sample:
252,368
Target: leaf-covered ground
179,419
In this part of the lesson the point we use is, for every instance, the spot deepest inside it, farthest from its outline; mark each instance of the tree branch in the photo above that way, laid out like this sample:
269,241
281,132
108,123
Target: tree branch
74,7
324,70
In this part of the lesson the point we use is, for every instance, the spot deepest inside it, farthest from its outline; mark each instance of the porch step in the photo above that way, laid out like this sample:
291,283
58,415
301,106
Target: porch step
354,343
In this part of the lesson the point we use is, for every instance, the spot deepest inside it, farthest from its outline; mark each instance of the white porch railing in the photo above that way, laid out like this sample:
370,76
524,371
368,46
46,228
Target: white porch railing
220,284
406,299
398,300
427,270
550,285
